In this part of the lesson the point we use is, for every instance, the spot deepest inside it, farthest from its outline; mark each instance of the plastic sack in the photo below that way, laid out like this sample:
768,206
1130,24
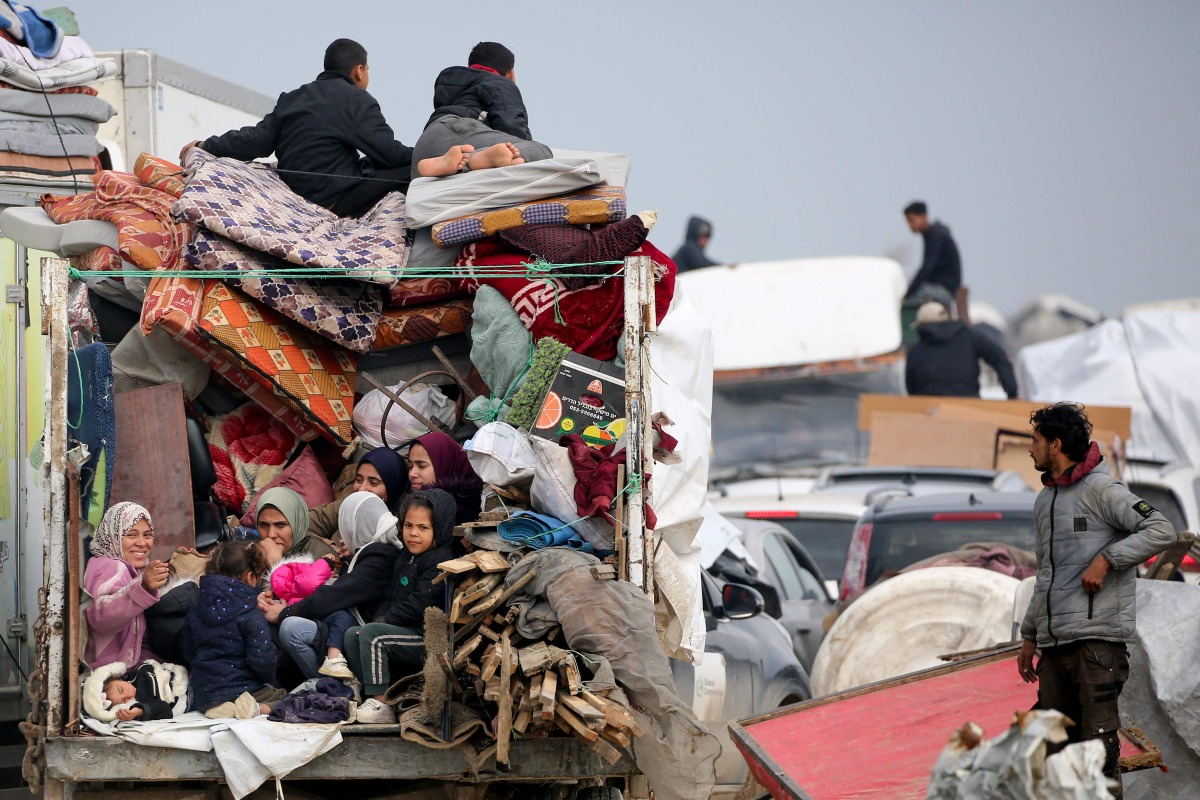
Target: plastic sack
501,455
401,425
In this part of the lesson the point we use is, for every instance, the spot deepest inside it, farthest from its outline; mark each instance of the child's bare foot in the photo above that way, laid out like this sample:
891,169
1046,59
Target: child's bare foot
263,708
504,154
453,161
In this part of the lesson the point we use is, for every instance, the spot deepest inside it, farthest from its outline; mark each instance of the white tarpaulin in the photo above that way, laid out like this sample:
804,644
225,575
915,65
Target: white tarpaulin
1149,361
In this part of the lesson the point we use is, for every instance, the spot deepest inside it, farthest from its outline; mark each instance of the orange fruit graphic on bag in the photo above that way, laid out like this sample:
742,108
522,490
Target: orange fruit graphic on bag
551,413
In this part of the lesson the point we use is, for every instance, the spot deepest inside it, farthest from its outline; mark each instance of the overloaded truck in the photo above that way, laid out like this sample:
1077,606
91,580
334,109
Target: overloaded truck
666,366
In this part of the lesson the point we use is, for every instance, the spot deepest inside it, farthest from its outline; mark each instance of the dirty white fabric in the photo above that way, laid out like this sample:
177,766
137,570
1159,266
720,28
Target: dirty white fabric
717,535
1148,361
1162,696
903,624
189,731
501,455
1013,766
402,426
254,751
156,359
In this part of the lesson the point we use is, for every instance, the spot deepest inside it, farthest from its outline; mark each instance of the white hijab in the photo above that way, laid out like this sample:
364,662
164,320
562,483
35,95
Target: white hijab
364,518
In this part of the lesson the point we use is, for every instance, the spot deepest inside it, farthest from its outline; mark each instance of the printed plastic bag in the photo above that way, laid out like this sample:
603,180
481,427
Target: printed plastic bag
502,455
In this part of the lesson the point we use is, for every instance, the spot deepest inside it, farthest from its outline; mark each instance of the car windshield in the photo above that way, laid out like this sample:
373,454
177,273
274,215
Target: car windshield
826,540
898,543
795,421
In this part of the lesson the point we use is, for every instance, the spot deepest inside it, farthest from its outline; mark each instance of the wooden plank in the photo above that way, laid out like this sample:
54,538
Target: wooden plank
1117,419
521,723
494,600
580,708
505,719
606,751
458,565
489,561
923,441
491,662
615,736
152,465
569,672
463,655
546,695
576,725
617,716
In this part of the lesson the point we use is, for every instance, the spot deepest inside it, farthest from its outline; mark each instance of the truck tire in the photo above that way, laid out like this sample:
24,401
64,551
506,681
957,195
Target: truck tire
599,793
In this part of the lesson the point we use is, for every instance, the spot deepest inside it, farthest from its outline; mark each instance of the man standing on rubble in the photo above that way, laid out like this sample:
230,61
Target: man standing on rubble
940,263
317,133
1092,533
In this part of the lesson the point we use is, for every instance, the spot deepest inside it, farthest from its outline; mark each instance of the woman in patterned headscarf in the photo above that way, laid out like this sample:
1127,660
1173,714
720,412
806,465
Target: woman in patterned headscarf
123,582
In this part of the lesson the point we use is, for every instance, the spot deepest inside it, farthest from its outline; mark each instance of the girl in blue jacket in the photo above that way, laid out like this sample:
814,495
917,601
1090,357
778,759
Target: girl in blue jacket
227,638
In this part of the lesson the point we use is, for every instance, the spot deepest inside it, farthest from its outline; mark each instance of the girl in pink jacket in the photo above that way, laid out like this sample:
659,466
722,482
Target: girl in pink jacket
295,577
123,582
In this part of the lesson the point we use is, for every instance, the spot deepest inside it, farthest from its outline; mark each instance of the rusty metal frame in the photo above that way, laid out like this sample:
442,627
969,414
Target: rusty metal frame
639,453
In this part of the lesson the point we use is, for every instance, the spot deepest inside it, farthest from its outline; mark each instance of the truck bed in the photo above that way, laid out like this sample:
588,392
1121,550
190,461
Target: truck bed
378,754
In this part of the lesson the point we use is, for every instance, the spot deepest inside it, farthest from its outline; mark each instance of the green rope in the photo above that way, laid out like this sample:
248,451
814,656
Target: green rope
78,374
534,270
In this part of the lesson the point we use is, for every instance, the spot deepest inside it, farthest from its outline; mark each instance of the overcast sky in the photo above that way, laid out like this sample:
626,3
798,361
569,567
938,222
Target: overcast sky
1058,140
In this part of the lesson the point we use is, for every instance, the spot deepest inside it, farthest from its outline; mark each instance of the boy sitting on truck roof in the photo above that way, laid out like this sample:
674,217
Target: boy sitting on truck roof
317,132
480,106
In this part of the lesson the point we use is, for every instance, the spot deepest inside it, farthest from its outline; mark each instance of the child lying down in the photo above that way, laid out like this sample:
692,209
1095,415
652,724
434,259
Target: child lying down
153,691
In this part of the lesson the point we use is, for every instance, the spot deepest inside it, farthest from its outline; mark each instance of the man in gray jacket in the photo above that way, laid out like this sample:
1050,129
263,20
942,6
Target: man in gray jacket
1092,532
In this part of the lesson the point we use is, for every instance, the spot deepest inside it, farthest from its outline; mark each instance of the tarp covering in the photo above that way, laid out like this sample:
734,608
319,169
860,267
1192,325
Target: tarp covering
1149,361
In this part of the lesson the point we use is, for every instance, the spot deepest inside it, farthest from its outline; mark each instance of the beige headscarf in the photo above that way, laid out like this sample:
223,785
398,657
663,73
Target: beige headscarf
118,521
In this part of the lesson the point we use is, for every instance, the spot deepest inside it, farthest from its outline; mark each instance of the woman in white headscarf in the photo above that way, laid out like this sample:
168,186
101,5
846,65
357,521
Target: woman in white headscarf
369,531
123,582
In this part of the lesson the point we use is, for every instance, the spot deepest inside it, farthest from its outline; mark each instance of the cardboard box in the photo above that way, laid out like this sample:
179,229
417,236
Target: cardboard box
587,397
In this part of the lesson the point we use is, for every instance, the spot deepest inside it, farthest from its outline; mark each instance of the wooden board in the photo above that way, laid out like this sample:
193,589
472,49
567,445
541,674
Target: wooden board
1117,419
152,465
922,441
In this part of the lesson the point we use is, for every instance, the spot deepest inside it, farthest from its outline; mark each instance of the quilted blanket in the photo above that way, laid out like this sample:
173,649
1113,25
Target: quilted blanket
304,383
249,449
596,205
158,173
343,311
403,326
423,291
594,315
250,205
146,234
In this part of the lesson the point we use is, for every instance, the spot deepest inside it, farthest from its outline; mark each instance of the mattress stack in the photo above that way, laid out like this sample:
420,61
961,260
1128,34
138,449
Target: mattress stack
49,113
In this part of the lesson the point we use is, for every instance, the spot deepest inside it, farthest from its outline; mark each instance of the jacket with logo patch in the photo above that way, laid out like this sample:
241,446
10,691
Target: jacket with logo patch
1084,513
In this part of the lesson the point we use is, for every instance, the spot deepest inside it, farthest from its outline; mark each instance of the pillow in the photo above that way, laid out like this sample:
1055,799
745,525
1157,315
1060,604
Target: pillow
404,326
249,448
598,205
305,477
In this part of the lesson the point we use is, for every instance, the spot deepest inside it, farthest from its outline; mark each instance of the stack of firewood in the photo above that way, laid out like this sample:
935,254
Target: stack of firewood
536,687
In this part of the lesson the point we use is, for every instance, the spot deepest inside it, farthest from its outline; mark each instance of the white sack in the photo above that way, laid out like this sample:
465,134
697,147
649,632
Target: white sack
401,425
501,455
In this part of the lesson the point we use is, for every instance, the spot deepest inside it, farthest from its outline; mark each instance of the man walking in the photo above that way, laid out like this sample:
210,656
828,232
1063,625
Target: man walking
945,360
1092,532
940,263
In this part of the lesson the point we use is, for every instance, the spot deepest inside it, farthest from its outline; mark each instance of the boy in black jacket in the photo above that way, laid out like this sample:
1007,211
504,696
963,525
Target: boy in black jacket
397,632
480,105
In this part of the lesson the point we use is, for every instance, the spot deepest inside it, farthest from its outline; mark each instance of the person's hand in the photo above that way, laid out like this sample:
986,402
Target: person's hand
342,550
187,147
156,575
265,601
1025,661
1093,576
272,612
128,714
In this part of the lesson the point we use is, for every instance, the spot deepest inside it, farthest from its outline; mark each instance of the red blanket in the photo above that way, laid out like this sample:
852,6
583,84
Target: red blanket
594,315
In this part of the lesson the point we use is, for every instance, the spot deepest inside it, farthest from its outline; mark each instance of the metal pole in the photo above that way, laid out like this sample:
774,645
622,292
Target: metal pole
20,457
54,310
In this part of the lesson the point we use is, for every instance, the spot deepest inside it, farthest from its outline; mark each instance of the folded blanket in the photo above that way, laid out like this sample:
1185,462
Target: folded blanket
422,291
567,244
160,174
344,311
147,234
24,25
54,104
597,205
400,327
88,90
73,47
47,143
13,121
540,530
250,205
76,72
69,173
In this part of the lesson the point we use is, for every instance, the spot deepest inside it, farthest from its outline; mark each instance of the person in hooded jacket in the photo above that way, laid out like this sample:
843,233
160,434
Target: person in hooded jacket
690,254
227,641
1092,533
437,461
397,632
944,362
381,471
479,105
370,532
318,131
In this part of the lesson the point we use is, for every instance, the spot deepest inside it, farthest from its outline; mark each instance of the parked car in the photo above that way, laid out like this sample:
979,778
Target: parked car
822,523
867,481
748,667
896,531
803,599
